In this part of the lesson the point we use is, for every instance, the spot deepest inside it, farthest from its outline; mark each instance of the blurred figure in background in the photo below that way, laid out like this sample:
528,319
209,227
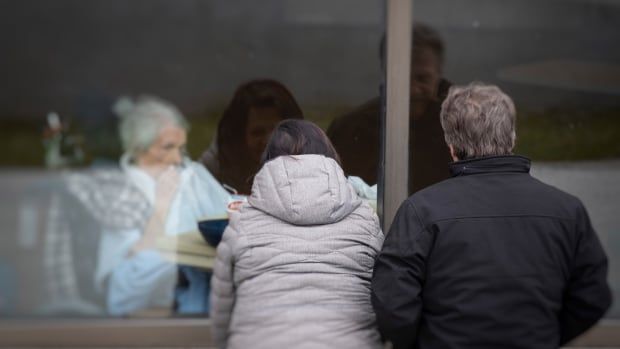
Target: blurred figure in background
158,191
294,265
154,134
62,148
244,129
357,137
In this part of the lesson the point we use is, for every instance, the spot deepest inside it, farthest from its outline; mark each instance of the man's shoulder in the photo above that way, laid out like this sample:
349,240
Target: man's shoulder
369,109
526,196
445,188
369,112
562,199
429,203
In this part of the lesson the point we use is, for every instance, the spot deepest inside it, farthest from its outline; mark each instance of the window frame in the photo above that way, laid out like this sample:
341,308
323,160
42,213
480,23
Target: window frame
195,332
83,333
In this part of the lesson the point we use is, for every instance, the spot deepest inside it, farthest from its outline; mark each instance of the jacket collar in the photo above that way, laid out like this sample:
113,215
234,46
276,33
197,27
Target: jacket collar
490,164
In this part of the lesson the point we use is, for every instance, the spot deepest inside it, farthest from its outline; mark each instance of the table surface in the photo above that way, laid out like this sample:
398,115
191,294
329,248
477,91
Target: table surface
187,249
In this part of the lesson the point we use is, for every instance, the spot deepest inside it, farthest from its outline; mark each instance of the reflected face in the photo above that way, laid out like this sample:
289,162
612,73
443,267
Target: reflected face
425,77
167,150
261,121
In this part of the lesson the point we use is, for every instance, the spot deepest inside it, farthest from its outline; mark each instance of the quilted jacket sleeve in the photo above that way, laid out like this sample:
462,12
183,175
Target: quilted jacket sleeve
222,287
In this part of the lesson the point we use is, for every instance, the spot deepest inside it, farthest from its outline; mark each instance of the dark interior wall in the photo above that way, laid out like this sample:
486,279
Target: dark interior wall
65,54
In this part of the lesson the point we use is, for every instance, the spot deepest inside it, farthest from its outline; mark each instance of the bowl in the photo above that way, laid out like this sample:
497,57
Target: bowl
212,230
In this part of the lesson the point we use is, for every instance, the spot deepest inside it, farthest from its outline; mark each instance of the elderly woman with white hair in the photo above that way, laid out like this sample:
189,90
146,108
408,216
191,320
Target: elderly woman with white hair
178,191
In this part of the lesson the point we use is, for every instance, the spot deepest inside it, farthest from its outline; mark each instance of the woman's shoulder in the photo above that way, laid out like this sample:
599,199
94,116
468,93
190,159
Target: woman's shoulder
246,215
210,160
240,225
365,218
365,212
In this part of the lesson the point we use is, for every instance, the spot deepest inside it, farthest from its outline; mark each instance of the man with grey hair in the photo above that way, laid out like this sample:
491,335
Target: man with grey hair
491,257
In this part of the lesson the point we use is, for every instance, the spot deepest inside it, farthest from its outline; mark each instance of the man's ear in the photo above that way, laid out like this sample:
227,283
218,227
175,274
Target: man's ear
453,153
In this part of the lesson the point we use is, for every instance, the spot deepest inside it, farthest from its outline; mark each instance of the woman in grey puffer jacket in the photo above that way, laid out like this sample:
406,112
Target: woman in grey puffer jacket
294,266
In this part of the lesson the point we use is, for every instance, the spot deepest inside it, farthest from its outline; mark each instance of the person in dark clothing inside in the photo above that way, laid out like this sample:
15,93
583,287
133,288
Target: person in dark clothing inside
356,135
492,257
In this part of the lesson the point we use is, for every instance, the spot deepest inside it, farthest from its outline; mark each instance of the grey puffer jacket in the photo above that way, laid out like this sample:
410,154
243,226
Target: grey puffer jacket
294,266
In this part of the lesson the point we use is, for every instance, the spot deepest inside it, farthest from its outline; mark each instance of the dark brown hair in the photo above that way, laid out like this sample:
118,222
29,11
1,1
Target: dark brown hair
236,168
298,137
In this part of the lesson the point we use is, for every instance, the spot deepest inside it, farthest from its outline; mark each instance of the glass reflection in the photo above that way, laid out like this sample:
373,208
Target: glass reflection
356,135
156,192
244,129
100,222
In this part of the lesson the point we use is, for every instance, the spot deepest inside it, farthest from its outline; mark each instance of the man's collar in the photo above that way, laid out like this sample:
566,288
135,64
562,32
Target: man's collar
490,164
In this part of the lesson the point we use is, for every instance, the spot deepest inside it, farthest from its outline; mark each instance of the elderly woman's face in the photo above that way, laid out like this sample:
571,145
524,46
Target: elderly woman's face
167,149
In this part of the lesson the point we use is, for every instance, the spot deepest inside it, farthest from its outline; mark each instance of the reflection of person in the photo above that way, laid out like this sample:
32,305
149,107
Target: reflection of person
490,256
179,192
356,135
244,129
293,269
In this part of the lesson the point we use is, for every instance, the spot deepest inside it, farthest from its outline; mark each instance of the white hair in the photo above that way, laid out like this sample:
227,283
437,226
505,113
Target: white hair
142,119
478,120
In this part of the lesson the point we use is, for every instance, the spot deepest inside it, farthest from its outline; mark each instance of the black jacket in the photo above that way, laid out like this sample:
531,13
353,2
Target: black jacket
491,258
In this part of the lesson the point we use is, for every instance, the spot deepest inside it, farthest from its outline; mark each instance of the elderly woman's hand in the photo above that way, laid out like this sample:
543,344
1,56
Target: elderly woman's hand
167,184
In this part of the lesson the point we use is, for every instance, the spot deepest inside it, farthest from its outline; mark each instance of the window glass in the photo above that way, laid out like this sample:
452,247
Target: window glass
560,62
126,123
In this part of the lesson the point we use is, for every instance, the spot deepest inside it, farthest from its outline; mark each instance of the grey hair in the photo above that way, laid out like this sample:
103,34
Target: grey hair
142,119
478,120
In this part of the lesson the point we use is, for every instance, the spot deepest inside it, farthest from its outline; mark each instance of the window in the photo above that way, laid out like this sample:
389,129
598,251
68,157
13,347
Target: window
99,98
